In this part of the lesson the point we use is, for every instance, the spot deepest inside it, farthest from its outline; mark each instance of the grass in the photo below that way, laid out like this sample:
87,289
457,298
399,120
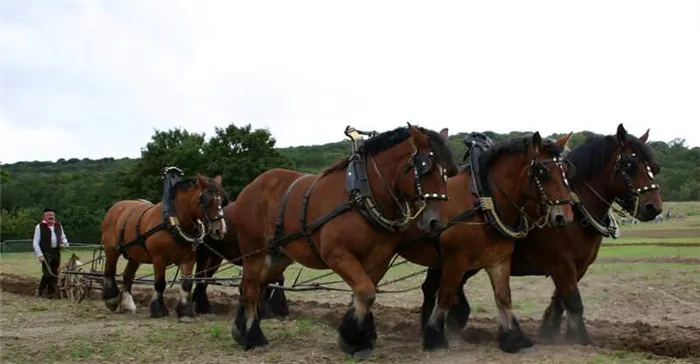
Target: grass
648,251
622,240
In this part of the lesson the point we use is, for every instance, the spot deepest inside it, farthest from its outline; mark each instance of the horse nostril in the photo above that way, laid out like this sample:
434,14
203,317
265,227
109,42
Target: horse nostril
652,209
434,224
559,220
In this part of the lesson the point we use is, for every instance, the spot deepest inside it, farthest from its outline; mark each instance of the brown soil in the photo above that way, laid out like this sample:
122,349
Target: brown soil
399,330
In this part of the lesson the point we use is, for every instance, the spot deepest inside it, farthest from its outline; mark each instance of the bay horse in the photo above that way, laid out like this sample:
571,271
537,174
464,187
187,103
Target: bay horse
504,192
210,255
608,168
162,234
358,208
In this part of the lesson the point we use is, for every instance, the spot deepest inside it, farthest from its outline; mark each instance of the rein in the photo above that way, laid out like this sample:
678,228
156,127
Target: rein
625,165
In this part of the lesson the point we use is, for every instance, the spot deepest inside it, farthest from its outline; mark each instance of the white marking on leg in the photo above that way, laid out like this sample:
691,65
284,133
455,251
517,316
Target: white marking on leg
127,302
184,296
437,314
249,322
155,295
505,318
360,309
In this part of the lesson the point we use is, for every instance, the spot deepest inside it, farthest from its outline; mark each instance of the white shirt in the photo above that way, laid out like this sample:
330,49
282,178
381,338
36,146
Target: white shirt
37,238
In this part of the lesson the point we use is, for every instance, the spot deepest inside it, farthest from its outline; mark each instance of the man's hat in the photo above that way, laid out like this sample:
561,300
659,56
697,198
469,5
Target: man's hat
48,209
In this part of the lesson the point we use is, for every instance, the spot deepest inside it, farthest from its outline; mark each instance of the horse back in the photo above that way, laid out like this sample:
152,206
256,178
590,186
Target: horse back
258,203
116,219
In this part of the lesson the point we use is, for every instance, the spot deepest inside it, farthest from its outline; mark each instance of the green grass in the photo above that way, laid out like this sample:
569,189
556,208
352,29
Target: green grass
610,241
648,251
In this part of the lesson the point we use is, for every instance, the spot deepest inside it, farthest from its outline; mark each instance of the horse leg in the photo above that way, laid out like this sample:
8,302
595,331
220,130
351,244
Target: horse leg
274,301
511,337
184,308
434,330
566,278
357,331
550,328
430,287
207,265
246,329
158,308
110,290
458,316
126,304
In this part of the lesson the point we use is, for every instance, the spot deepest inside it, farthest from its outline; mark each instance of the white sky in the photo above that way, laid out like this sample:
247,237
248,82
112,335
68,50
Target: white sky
94,79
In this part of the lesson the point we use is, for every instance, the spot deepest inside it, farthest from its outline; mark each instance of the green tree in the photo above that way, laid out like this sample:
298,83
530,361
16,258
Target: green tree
241,154
4,176
176,147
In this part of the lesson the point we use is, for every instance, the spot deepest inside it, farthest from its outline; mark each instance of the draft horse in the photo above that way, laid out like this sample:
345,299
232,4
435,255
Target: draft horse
162,234
212,252
391,180
608,168
503,192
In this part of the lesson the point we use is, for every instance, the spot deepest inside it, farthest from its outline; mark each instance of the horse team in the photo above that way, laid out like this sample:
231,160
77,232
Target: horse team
525,206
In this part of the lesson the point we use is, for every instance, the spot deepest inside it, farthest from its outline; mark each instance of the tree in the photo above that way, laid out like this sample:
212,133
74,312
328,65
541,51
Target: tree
241,154
176,147
4,176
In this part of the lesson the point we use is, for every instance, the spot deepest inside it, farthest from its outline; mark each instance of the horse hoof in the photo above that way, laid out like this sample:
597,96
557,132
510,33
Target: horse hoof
186,319
362,354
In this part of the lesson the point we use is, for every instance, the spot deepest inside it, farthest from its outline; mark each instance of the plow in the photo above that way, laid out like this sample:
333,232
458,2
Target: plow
77,279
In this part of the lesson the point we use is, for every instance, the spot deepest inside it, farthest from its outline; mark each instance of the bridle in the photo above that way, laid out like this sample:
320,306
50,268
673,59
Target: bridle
204,200
421,163
538,173
626,166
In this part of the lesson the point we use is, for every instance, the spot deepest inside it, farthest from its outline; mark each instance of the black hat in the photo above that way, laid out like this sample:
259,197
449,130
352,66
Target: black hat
48,209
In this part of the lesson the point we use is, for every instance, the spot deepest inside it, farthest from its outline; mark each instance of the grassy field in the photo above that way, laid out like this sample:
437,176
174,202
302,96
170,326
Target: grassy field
642,306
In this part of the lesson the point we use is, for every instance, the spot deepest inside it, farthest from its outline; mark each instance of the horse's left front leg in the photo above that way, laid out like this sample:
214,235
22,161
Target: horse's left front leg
511,337
565,278
185,308
158,308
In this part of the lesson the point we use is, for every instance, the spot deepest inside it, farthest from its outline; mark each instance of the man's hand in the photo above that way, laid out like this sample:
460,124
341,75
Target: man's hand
40,259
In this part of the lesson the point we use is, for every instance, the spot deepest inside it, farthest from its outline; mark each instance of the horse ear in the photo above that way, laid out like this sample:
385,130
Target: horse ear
621,134
537,141
563,141
644,137
417,138
444,134
202,182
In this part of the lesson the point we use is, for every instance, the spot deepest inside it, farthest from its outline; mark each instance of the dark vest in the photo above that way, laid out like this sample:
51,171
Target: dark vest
45,241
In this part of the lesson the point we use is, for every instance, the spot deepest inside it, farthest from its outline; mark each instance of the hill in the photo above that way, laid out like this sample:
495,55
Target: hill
83,188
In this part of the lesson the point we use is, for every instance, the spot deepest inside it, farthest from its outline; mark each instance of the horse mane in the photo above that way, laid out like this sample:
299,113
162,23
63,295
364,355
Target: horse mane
186,184
391,138
517,145
591,157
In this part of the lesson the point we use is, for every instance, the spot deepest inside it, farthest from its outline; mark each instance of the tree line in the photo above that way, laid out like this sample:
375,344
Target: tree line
82,189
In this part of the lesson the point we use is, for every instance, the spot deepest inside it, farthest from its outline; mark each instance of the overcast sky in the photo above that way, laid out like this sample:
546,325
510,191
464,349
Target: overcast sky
95,79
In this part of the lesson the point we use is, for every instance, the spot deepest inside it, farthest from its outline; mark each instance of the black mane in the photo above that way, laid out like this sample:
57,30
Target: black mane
591,157
391,138
516,145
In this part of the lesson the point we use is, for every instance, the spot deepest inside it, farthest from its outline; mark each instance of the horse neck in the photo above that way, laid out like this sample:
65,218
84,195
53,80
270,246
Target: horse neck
384,185
593,203
507,172
182,203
